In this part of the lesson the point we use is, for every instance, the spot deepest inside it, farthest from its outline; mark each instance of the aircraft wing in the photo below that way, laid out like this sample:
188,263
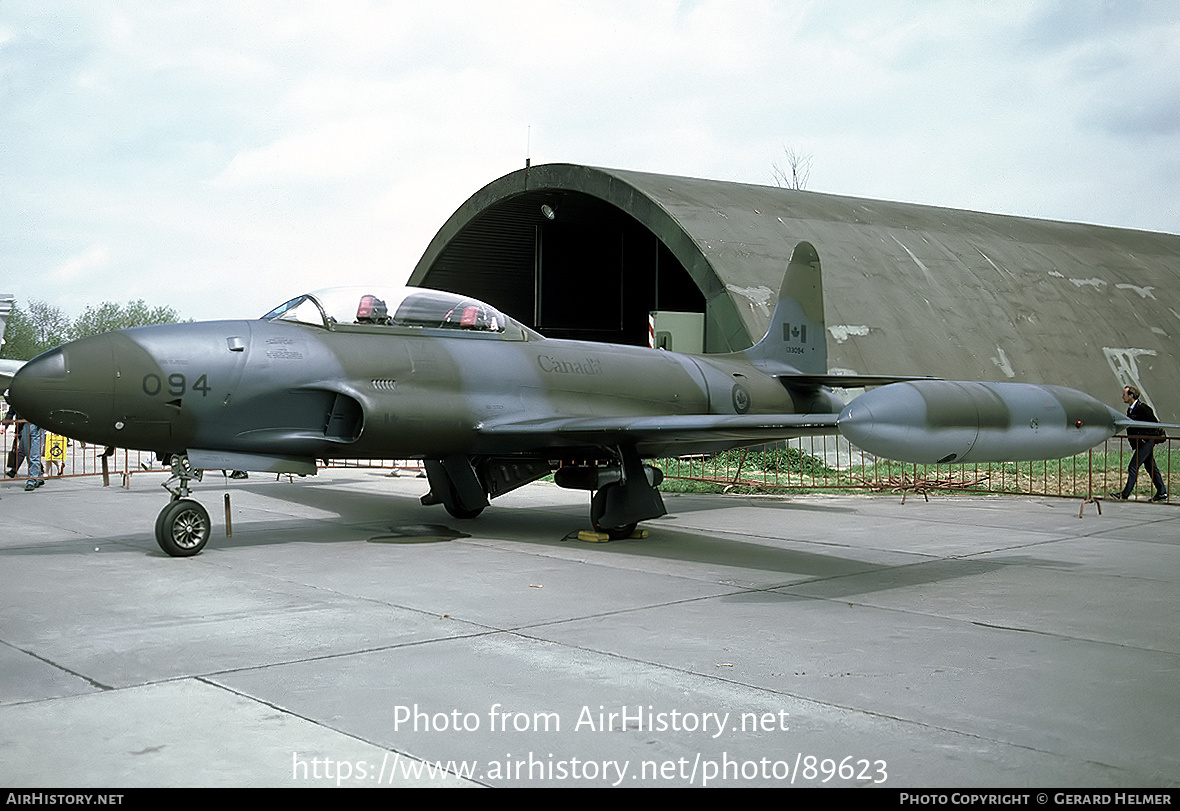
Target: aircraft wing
675,434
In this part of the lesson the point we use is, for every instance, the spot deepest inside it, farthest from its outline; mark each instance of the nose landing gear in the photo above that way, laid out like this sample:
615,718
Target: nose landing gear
182,527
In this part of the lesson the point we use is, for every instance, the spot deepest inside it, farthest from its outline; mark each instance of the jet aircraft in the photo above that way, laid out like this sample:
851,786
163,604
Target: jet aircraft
490,405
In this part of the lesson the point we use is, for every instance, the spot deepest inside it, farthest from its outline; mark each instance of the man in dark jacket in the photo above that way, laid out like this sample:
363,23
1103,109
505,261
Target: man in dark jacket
1142,446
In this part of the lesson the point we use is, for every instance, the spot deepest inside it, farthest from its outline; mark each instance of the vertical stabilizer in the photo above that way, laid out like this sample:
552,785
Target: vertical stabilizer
796,340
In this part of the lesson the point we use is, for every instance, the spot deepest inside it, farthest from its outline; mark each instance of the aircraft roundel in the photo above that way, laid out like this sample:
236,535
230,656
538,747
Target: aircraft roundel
741,399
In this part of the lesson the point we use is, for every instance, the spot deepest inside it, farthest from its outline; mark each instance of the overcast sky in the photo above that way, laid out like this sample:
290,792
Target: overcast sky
222,157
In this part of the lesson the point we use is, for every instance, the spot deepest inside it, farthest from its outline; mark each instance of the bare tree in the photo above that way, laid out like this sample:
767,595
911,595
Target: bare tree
796,172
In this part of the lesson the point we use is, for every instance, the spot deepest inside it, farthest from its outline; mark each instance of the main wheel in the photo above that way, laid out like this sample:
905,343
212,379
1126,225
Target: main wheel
457,511
460,513
598,509
182,528
617,533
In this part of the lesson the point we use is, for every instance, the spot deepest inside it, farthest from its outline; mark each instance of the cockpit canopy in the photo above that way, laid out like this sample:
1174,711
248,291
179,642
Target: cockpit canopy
396,307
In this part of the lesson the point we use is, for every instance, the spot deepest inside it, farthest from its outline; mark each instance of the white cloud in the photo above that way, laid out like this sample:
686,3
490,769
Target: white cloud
80,266
264,146
334,152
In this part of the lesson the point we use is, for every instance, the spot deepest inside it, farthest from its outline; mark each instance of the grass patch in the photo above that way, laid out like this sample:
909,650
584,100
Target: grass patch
779,469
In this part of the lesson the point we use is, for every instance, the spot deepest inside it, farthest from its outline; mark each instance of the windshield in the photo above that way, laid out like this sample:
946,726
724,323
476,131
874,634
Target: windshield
399,307
304,309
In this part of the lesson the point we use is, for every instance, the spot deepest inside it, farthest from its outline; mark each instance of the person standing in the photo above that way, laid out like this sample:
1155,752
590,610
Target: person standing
31,439
28,447
15,453
1142,441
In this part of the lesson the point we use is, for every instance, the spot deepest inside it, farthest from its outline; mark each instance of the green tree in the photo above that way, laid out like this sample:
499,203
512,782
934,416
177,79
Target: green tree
42,327
110,316
38,329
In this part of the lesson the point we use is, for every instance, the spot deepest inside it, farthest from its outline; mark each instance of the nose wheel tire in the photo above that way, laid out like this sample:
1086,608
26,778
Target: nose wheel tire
183,528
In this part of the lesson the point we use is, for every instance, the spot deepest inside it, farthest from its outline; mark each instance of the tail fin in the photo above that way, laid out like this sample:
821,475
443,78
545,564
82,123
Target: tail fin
796,341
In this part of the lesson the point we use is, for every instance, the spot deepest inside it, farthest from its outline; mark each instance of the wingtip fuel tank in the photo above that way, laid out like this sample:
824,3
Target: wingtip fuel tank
945,421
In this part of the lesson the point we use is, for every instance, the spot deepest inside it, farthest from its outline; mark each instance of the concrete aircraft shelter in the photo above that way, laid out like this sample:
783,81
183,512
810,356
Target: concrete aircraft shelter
584,252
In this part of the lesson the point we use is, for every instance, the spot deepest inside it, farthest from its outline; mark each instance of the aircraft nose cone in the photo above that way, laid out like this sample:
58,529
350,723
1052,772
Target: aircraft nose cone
28,391
67,389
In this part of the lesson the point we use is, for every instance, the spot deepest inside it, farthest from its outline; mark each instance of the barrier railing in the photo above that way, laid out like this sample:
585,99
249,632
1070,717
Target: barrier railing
64,458
815,464
827,463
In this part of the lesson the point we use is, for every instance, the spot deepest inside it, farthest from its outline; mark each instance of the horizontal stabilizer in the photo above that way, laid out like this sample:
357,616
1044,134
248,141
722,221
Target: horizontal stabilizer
794,348
1141,428
804,381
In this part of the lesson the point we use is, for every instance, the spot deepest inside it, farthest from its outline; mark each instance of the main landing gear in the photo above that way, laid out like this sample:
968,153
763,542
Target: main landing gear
623,488
598,510
624,495
182,527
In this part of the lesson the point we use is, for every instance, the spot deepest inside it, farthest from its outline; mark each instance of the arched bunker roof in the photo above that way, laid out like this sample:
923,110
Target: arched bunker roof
909,289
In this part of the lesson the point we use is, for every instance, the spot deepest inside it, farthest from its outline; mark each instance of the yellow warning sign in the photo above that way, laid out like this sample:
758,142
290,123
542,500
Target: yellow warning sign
55,448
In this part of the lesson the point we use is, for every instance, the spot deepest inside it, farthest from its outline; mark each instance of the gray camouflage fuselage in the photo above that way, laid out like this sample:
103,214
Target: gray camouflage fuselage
272,387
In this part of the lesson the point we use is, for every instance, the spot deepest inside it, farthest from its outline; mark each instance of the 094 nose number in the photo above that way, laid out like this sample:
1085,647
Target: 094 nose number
177,385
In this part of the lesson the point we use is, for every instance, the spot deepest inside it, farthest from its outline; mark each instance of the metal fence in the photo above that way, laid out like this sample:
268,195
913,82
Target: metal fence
830,464
67,458
64,458
818,464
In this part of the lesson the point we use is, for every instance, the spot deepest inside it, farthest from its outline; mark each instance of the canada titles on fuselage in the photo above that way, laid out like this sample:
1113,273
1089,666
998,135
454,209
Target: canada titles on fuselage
586,366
